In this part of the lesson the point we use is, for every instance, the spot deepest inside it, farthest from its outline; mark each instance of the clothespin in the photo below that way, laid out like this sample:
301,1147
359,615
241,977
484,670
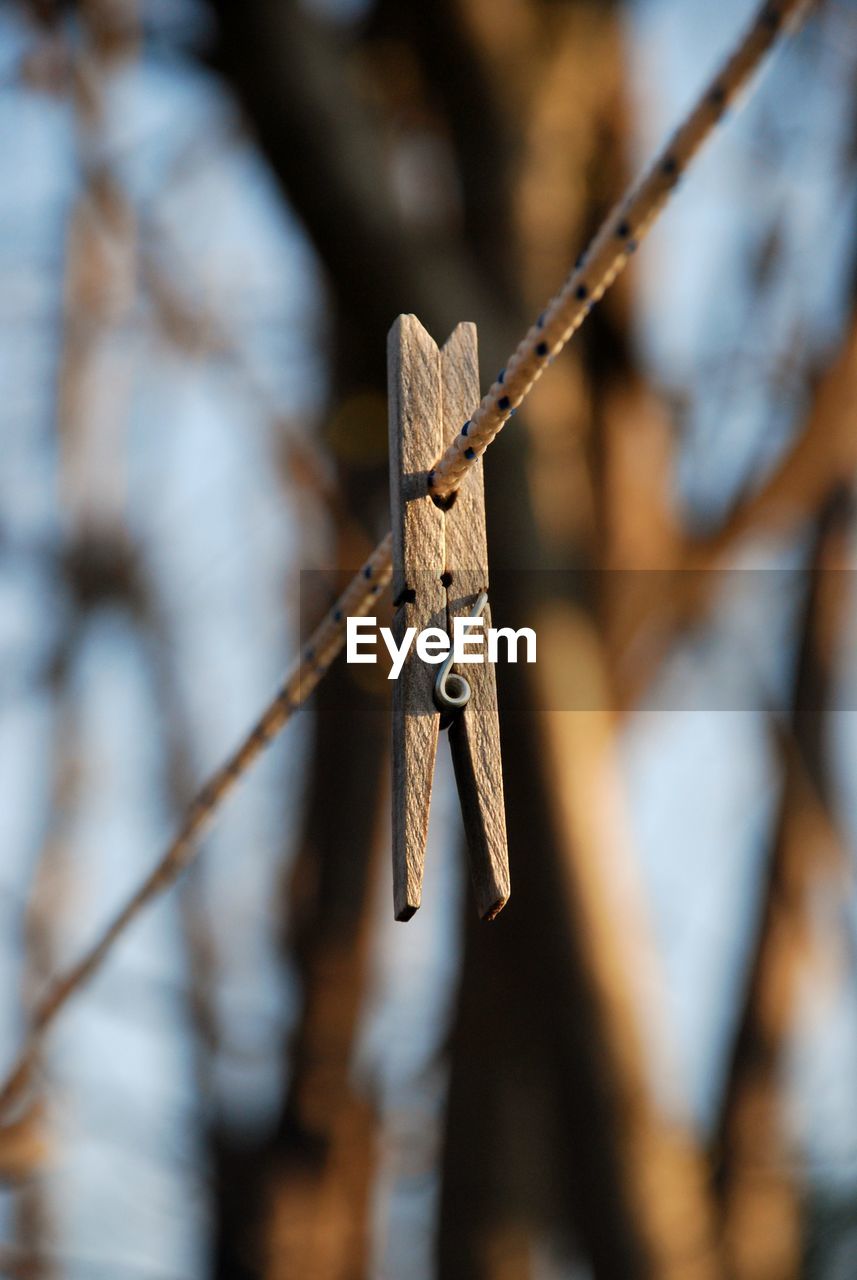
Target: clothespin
440,571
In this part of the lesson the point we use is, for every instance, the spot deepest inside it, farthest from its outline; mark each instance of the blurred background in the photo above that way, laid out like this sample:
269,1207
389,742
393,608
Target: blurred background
210,214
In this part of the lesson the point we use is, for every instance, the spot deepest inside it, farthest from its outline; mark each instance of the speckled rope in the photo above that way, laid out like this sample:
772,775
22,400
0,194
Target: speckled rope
323,646
597,268
592,276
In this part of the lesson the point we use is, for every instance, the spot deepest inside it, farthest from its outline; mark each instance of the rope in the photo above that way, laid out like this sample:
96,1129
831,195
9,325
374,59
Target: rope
593,274
597,268
324,644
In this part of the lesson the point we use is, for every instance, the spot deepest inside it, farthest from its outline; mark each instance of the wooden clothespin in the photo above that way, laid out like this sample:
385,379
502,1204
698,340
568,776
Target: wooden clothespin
440,571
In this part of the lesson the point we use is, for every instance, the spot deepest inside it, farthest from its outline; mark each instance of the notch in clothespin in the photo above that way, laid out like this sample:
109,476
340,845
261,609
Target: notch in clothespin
440,571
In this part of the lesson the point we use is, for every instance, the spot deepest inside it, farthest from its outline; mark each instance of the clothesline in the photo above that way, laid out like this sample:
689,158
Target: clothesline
592,275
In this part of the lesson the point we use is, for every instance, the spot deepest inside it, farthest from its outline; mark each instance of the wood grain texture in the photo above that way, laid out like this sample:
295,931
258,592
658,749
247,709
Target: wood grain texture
416,440
474,735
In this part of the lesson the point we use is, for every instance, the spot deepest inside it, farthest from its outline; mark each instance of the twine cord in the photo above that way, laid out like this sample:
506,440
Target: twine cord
618,237
593,274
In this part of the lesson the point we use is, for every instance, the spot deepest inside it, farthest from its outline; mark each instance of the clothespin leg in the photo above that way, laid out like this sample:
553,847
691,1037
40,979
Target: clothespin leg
416,441
474,734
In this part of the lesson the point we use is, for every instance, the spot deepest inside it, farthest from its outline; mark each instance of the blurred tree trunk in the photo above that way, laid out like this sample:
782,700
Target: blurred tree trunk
552,1126
99,289
760,1191
296,1203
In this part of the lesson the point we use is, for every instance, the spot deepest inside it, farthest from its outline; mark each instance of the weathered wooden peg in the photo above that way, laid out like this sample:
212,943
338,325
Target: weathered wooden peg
440,572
